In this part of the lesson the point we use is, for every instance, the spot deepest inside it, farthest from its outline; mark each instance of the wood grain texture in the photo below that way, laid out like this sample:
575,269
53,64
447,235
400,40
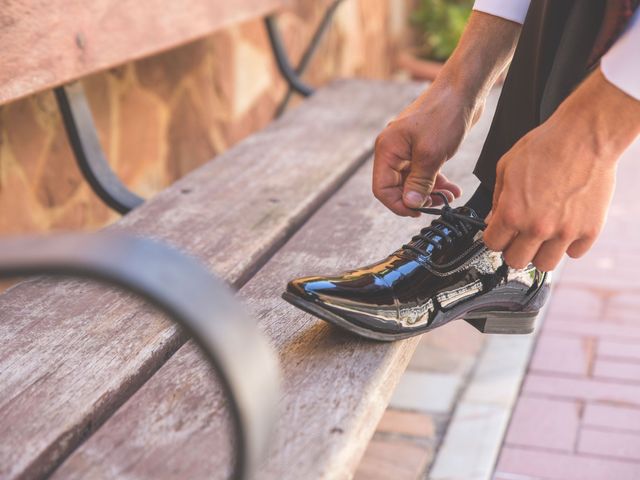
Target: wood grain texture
71,352
49,42
336,386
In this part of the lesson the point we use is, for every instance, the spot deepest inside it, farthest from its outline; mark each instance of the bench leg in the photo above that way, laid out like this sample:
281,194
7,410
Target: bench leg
201,304
83,137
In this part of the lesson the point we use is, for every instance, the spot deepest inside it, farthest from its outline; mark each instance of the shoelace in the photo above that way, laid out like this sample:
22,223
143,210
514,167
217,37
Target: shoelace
457,223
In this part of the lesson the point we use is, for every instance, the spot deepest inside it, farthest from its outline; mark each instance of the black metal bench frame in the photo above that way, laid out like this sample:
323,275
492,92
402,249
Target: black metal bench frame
83,136
200,303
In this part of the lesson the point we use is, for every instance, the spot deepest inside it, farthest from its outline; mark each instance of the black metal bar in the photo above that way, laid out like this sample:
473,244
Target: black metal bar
83,137
310,50
201,304
282,59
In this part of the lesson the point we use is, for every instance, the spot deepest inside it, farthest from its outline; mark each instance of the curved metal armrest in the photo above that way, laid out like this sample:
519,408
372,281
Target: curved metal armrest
203,305
83,137
293,76
284,65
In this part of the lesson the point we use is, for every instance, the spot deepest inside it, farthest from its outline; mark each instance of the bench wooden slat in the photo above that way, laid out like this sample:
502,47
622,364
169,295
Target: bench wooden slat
72,352
49,42
335,386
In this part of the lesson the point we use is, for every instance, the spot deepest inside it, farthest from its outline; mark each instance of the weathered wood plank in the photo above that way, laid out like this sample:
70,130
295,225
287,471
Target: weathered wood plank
335,386
71,352
49,42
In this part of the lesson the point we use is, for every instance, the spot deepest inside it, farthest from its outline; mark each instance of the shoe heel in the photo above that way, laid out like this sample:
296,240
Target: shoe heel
510,323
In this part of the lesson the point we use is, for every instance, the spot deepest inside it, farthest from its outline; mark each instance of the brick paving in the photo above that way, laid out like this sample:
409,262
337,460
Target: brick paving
412,428
578,414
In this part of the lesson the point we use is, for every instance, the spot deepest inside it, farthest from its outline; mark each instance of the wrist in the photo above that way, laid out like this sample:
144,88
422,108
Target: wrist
465,89
605,119
484,51
465,80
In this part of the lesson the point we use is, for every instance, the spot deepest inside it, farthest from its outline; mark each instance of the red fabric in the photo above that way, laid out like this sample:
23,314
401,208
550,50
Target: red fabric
617,14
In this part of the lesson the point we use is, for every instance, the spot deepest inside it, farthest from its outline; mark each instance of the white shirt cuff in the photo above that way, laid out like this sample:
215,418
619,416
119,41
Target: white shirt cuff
514,10
621,64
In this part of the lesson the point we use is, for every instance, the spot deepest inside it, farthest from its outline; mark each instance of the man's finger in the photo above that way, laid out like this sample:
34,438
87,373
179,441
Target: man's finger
580,247
521,251
436,200
498,235
392,199
550,254
497,189
444,184
418,187
390,164
421,179
385,176
387,187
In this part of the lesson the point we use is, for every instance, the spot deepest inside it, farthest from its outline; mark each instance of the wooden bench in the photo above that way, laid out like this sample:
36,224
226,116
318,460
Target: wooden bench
98,383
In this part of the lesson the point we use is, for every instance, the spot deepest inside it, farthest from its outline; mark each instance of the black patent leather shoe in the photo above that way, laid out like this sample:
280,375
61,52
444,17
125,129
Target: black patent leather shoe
445,273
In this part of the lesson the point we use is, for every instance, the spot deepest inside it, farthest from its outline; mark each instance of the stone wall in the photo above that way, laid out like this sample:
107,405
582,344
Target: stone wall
161,117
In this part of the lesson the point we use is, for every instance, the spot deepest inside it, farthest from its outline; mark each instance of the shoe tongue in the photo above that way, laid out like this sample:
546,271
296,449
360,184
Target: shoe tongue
464,210
468,211
436,235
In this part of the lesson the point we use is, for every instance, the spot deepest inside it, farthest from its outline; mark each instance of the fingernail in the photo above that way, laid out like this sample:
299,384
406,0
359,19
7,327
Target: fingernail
414,199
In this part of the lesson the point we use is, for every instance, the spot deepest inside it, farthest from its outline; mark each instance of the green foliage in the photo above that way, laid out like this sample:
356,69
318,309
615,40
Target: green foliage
442,22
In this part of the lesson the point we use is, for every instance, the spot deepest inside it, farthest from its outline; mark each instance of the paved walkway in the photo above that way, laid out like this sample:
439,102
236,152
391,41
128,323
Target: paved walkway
578,414
421,409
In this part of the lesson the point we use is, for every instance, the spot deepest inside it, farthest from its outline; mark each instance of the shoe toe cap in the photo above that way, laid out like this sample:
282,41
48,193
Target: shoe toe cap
352,290
310,287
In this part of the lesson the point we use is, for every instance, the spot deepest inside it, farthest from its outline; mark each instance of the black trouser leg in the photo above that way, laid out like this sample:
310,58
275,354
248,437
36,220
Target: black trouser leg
549,61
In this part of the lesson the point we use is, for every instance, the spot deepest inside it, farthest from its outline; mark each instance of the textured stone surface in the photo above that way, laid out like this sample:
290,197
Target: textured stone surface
399,459
407,423
612,416
427,392
448,350
471,443
474,435
521,463
162,116
623,445
545,423
562,354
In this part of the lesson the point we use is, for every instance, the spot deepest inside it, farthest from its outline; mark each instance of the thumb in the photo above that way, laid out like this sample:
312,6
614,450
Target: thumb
418,185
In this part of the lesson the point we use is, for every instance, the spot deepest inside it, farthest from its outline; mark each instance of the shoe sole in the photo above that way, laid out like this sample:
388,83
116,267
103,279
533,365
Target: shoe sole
509,323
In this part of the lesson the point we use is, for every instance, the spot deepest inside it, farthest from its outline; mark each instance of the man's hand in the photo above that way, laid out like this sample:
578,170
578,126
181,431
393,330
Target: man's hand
554,187
412,149
551,197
